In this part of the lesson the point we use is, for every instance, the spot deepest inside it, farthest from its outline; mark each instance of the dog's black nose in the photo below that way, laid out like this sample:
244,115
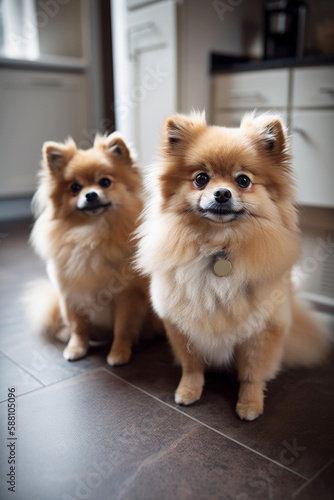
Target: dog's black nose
91,196
222,195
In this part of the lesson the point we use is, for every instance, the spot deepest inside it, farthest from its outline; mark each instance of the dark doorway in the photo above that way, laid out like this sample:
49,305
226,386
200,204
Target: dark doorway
107,66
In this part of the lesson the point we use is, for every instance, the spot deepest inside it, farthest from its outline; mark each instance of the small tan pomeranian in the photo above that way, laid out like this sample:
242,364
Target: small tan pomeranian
219,239
87,206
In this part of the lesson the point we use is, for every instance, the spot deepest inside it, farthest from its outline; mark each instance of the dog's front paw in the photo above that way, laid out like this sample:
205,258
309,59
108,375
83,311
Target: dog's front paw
190,388
249,410
186,395
73,352
250,400
116,358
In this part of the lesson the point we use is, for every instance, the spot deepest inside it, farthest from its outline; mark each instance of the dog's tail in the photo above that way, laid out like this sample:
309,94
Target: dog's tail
42,308
308,341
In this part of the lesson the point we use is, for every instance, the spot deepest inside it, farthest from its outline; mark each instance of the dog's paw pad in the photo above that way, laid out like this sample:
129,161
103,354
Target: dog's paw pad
249,411
118,358
187,395
71,353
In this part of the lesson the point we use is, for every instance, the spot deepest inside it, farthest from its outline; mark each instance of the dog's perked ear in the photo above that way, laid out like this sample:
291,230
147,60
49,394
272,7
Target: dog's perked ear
179,129
267,130
115,146
56,155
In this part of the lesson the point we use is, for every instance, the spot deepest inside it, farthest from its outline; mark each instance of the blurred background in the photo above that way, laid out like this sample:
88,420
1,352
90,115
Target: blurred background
75,67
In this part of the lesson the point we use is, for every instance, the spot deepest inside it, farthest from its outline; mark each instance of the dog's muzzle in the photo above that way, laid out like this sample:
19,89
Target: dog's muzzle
92,204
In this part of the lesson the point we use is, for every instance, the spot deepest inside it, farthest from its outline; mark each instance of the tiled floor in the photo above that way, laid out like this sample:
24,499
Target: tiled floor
88,431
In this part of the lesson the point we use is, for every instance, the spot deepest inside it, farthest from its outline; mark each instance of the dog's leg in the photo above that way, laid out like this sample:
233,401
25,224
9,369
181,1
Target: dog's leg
259,359
130,311
191,384
78,344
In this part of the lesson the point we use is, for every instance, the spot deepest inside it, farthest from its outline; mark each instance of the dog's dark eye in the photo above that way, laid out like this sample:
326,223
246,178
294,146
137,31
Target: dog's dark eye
104,182
201,180
243,181
75,188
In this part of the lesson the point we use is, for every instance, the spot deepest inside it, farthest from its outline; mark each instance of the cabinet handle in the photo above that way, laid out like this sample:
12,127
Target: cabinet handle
326,90
138,31
246,94
141,29
47,83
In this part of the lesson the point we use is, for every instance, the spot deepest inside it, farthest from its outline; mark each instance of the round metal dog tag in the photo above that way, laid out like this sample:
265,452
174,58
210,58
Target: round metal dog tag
222,267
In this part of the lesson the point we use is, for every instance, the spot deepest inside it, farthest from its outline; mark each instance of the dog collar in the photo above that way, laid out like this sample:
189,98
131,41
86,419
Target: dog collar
221,266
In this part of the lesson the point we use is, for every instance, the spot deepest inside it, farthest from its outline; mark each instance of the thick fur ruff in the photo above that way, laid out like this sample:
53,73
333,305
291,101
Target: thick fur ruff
87,207
251,315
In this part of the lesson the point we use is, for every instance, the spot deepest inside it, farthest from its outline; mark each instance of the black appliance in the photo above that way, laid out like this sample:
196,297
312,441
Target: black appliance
284,29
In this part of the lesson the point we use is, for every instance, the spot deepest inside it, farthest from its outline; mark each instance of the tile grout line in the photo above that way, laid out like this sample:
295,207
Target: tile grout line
53,384
43,385
25,394
206,425
23,369
309,481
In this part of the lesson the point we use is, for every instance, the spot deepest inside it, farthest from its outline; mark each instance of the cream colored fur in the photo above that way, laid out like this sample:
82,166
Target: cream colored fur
93,292
250,316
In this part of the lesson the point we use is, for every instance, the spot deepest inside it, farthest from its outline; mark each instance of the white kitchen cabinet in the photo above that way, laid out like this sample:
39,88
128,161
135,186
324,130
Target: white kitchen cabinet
304,97
312,125
252,89
35,107
313,153
313,87
235,94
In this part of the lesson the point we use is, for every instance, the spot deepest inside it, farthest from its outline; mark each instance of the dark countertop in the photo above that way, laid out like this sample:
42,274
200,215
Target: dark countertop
65,64
222,63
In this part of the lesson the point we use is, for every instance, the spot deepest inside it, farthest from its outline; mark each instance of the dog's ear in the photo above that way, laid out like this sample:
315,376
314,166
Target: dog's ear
179,129
56,155
268,130
115,146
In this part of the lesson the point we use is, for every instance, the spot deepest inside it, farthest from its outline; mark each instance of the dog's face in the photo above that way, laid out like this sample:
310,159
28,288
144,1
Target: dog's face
89,183
225,175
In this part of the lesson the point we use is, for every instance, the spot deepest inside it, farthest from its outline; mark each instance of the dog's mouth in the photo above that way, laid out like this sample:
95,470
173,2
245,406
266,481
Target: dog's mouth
97,209
218,213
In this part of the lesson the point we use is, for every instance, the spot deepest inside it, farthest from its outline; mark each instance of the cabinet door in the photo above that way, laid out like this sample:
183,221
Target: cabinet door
36,107
313,152
313,87
152,50
251,89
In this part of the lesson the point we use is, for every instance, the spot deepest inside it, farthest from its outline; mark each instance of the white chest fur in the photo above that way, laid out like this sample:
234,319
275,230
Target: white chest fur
213,312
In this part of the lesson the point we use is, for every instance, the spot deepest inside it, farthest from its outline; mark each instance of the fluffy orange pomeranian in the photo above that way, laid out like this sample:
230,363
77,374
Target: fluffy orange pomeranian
219,239
87,206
